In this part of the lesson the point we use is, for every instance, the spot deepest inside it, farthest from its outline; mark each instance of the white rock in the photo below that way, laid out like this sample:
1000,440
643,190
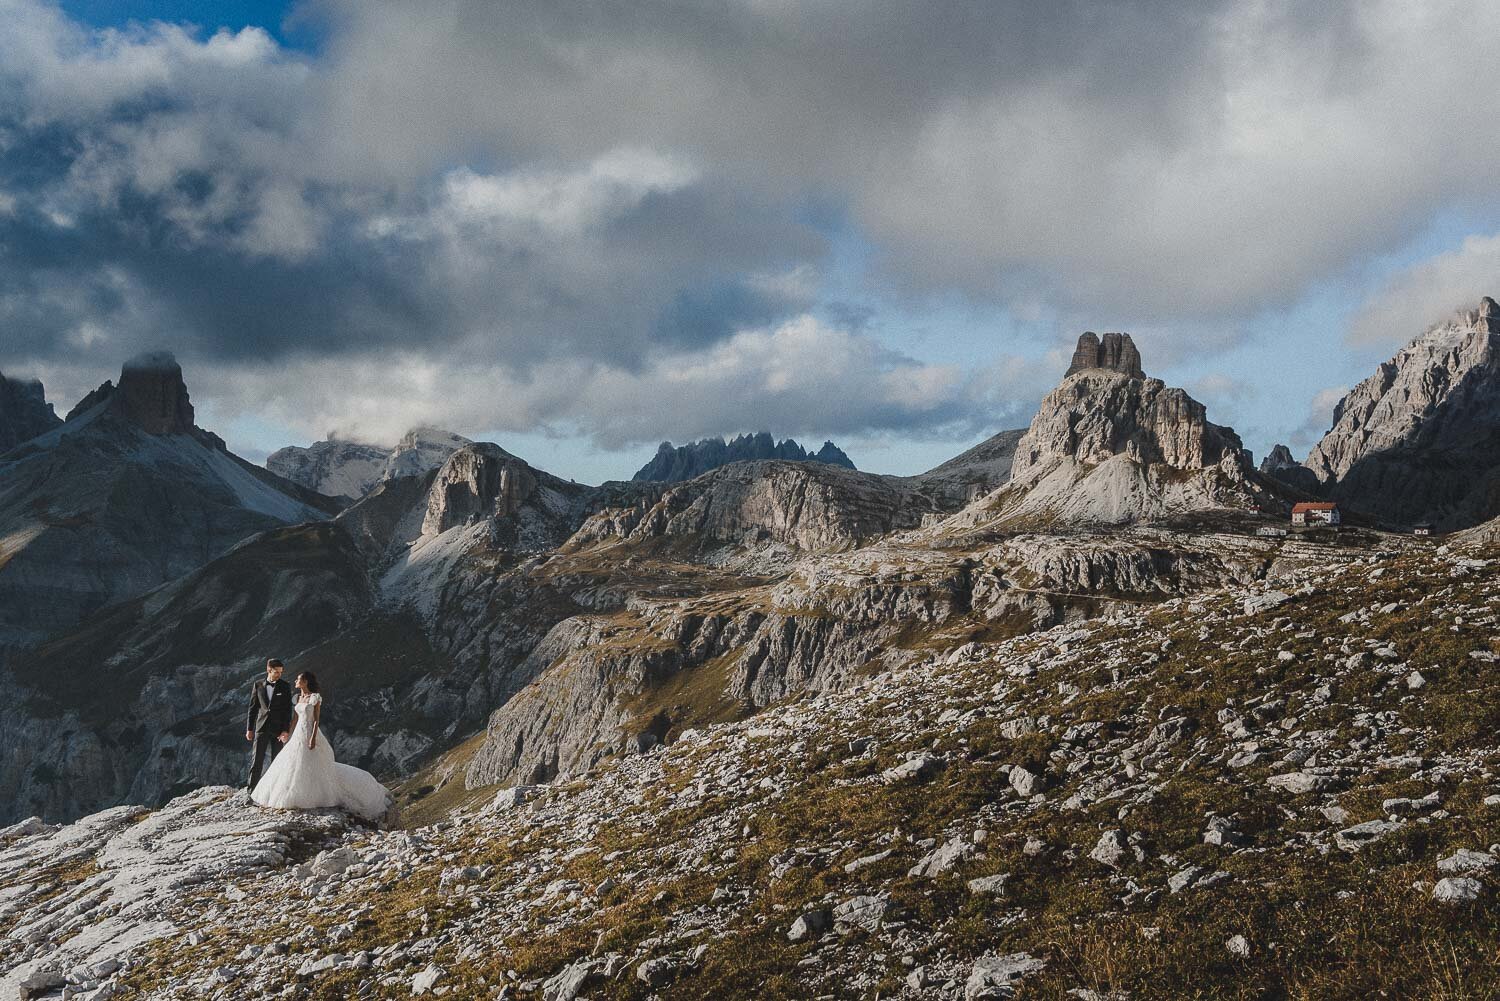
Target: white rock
1297,783
916,768
1025,783
993,977
656,972
1467,861
866,912
1262,602
573,981
335,862
990,886
943,859
1111,849
1237,945
509,799
1352,839
1457,890
808,924
427,979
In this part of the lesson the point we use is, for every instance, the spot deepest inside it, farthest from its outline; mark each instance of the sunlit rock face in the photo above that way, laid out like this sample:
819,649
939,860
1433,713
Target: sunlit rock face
1419,440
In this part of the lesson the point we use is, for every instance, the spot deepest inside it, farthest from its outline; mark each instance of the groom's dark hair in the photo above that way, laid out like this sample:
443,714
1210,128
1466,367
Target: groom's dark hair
274,662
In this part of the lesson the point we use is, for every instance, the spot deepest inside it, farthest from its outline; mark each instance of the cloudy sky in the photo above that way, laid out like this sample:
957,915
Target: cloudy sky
579,229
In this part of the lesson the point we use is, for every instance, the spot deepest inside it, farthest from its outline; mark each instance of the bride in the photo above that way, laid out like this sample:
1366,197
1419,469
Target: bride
304,776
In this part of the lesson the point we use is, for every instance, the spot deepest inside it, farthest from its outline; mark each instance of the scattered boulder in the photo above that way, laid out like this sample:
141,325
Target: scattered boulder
943,859
1111,849
1457,890
1298,783
657,972
861,913
1025,782
1352,839
1465,861
810,924
989,886
995,977
914,769
573,980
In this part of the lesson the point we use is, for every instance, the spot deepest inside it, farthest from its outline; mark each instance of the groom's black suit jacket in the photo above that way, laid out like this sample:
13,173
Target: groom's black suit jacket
270,710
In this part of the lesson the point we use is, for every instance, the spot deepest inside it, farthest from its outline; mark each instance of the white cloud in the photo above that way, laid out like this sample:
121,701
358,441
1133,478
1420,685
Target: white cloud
799,377
1414,299
1319,419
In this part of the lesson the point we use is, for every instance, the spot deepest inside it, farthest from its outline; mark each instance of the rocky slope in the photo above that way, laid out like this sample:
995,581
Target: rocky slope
685,462
1284,789
1420,439
144,697
126,495
623,677
978,470
349,470
1111,446
24,411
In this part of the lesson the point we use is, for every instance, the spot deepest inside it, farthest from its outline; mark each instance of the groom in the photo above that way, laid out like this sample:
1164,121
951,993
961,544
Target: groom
270,718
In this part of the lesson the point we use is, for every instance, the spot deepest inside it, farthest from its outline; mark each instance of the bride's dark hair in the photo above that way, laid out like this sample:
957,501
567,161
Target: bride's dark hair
312,681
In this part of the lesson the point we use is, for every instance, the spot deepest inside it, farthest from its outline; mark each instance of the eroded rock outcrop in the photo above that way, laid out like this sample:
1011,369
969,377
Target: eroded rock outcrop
1419,440
477,482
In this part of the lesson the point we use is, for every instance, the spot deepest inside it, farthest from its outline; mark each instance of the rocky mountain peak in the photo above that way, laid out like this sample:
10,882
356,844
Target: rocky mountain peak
339,467
478,482
421,450
24,411
1110,445
152,395
1280,465
1116,352
1278,457
1094,415
1419,440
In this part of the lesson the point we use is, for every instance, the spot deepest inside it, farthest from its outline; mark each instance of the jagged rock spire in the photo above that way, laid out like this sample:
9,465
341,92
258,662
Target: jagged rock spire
152,395
1116,352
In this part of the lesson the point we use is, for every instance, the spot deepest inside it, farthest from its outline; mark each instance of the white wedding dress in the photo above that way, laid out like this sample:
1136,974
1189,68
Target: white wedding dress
308,778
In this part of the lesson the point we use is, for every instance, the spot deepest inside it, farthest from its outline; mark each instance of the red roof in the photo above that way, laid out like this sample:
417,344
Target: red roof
1314,506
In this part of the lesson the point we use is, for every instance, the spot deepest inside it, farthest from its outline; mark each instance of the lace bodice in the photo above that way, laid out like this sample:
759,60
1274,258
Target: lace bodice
309,700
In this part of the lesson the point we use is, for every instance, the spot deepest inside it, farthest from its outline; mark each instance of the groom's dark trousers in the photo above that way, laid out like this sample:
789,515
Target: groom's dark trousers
270,716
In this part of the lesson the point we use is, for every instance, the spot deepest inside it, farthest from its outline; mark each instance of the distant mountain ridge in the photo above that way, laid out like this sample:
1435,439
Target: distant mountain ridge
672,464
349,470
